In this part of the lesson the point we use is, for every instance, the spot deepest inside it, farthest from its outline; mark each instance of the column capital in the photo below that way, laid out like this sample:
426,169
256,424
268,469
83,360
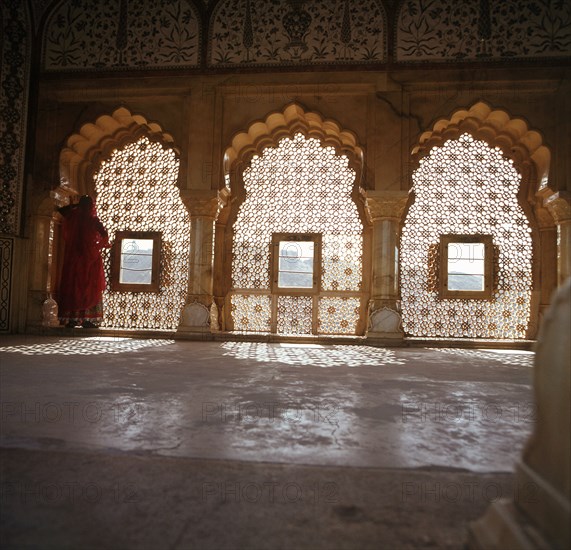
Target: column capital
203,203
559,206
385,204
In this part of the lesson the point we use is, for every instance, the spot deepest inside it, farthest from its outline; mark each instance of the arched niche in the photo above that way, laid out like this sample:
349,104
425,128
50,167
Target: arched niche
524,147
251,143
81,159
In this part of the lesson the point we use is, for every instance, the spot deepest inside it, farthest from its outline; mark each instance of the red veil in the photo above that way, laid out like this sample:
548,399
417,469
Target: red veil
83,278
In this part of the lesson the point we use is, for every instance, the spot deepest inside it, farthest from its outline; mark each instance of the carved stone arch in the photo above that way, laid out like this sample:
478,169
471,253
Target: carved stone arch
286,123
497,128
265,133
94,142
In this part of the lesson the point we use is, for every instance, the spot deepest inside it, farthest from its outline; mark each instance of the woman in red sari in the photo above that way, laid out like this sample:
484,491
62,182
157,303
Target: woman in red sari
83,280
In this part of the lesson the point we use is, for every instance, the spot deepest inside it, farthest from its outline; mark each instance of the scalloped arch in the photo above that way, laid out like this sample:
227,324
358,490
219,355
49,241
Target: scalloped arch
94,142
287,123
496,127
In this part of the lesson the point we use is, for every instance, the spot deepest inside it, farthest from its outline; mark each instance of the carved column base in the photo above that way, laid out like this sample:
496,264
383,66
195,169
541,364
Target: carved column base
385,323
195,317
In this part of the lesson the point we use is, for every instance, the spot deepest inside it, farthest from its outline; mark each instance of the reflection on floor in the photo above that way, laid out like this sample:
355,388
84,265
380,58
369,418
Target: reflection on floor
276,411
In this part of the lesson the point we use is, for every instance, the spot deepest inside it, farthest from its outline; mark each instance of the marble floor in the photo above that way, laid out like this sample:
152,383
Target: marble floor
350,408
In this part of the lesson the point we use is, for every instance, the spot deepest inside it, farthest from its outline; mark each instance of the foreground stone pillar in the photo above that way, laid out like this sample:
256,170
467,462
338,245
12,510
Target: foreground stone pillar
385,209
539,516
203,208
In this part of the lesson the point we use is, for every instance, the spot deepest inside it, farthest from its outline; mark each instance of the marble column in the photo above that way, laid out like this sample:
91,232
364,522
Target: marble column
203,207
385,210
559,205
42,307
539,515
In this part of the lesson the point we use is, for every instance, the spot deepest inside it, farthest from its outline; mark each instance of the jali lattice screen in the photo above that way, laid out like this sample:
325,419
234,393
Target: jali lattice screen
466,187
298,187
136,191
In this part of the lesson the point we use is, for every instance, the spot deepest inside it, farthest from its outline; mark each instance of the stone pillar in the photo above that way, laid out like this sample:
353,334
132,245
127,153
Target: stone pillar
385,209
559,205
43,257
539,516
203,207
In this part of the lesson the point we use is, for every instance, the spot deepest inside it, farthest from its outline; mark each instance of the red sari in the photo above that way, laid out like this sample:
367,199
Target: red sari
83,278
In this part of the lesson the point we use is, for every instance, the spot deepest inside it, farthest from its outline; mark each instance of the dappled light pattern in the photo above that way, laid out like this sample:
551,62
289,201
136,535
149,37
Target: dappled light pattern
511,358
136,191
316,355
466,187
298,187
96,345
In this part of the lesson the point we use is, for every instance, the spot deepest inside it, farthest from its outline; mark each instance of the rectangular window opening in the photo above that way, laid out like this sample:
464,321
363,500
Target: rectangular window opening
466,266
136,261
295,263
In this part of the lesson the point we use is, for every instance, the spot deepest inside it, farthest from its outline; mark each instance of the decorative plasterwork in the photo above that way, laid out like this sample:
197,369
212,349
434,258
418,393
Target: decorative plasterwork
292,119
39,7
6,271
94,142
15,48
466,30
498,129
119,35
306,32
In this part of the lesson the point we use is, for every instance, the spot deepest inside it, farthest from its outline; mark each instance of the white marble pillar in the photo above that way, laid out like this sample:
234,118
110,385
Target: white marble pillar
203,207
385,209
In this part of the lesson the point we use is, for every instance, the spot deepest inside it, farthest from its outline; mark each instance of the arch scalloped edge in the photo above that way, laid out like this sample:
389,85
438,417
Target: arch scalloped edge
497,128
96,141
286,123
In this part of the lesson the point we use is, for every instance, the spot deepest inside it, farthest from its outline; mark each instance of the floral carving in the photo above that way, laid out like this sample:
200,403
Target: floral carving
106,34
14,76
444,30
306,32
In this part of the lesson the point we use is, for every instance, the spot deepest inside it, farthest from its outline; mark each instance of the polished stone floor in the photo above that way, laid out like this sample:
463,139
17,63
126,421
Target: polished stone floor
242,405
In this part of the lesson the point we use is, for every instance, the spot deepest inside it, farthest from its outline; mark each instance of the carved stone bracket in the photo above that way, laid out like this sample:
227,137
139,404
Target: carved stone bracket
204,204
559,206
385,204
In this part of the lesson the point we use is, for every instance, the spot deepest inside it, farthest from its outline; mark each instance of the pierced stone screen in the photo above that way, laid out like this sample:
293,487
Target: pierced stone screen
136,191
298,187
466,187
